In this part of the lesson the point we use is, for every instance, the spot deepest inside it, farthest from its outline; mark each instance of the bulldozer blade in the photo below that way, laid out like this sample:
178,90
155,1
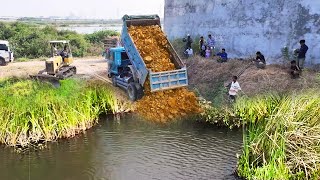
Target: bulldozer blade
55,83
47,78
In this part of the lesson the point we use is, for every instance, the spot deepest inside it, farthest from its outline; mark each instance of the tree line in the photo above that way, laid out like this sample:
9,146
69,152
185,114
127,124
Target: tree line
32,41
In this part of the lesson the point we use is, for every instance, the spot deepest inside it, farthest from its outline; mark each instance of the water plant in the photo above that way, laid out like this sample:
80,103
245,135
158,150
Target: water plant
282,135
32,111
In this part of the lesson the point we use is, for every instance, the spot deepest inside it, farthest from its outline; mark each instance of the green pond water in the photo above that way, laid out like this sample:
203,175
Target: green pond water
130,149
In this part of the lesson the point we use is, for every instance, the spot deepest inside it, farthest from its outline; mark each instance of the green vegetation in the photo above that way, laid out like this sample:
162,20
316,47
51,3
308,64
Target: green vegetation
31,41
282,140
282,135
99,36
179,45
96,40
34,111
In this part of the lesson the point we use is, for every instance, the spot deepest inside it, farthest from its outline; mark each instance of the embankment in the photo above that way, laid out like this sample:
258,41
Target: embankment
34,111
208,77
280,117
282,136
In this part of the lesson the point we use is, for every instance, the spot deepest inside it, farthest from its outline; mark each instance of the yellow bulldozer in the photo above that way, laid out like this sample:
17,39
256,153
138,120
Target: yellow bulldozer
57,67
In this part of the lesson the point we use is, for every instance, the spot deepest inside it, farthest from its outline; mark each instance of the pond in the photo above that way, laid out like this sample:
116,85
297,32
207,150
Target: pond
88,29
133,149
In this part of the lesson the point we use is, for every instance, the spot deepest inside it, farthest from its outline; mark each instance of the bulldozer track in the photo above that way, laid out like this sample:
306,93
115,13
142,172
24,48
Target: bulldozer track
66,72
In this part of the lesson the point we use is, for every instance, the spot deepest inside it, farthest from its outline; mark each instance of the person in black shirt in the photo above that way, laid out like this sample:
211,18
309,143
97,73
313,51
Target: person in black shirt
260,60
294,70
64,53
202,47
302,54
188,41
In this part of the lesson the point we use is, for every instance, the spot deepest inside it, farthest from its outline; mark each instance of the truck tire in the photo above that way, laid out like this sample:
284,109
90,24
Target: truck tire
2,62
140,91
114,81
132,92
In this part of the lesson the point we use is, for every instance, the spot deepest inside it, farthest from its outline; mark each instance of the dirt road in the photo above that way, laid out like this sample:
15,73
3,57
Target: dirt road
86,68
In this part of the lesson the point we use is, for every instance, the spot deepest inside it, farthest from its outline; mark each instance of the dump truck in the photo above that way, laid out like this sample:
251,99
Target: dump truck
128,70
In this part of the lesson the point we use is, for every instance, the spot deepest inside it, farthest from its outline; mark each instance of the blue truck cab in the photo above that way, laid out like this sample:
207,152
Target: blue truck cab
117,59
121,71
127,69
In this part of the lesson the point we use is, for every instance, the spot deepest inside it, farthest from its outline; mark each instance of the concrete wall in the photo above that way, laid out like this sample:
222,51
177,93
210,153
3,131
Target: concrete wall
245,26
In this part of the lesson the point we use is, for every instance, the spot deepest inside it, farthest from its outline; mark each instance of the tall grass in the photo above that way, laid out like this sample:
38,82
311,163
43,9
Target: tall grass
33,111
282,139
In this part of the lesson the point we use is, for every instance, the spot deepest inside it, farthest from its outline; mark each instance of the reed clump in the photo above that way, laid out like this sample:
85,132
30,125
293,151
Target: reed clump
282,137
34,111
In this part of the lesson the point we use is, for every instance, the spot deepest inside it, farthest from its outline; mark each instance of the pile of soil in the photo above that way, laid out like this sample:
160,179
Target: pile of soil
165,105
152,45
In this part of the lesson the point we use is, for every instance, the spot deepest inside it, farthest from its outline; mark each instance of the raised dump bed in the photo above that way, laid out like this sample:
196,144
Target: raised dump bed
159,80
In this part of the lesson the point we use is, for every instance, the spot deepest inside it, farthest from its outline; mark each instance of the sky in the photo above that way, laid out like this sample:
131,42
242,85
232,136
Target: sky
102,9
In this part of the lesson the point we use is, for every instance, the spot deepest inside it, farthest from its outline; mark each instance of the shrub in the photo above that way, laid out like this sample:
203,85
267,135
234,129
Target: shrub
99,36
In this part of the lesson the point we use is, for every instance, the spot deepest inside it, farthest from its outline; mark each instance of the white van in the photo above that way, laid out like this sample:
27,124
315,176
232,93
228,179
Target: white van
6,55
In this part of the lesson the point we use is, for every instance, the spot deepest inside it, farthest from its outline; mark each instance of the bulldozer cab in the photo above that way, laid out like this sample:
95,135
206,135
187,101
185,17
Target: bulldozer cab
61,48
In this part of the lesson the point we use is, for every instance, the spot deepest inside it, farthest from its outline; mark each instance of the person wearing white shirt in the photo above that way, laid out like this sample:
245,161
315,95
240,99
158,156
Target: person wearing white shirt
234,88
189,52
211,43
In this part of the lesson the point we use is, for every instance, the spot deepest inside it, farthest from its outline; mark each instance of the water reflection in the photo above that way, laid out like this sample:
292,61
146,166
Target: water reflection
130,149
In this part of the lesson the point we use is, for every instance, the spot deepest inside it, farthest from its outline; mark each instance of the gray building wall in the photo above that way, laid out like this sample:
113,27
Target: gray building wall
246,26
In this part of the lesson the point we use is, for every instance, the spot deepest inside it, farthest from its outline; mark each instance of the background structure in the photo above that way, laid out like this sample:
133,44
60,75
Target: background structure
246,26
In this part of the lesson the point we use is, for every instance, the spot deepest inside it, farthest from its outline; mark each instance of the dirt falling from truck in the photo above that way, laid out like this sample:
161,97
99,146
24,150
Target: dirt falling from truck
165,105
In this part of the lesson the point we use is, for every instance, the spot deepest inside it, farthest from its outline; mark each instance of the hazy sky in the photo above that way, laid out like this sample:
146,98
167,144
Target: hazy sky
82,8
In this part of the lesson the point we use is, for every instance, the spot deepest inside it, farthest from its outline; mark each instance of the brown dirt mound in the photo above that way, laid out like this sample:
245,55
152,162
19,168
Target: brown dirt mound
152,45
166,105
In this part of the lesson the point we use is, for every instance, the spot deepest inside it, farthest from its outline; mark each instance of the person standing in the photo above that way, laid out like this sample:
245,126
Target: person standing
211,43
302,54
208,52
202,47
234,88
188,41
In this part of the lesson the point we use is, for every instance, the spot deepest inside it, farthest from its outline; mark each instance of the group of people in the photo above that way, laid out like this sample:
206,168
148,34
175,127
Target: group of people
298,65
206,48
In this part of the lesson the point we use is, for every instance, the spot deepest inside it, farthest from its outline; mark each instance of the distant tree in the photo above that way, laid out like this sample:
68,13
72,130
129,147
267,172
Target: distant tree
99,36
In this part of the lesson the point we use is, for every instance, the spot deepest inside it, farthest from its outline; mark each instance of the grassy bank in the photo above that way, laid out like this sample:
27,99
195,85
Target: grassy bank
280,114
33,111
210,77
281,137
